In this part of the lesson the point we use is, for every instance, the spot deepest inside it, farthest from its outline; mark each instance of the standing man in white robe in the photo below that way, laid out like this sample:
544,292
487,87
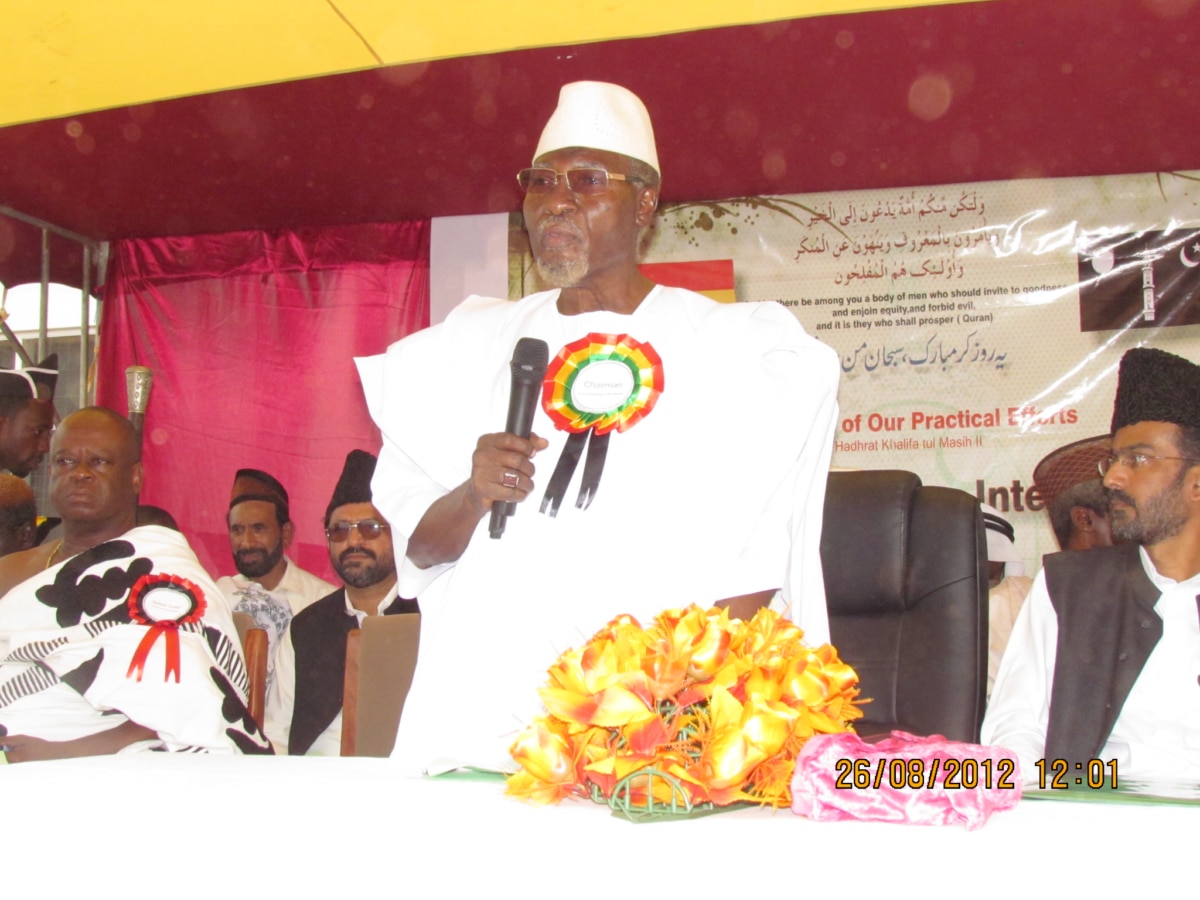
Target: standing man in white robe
682,449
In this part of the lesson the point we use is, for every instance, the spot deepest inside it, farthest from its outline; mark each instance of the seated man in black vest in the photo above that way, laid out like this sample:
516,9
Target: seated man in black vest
1105,655
304,706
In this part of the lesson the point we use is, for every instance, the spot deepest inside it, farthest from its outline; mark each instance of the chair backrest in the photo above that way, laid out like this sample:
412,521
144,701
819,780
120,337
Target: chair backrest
380,659
906,584
254,650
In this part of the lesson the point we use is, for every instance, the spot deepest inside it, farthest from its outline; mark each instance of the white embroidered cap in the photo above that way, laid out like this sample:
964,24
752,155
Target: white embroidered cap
1000,537
601,116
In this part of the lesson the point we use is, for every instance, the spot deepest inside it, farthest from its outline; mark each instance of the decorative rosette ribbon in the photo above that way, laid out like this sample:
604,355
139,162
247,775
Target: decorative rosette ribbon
601,382
593,386
164,602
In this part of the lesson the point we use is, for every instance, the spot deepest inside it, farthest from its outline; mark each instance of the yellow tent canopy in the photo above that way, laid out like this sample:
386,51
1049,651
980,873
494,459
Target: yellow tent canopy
63,57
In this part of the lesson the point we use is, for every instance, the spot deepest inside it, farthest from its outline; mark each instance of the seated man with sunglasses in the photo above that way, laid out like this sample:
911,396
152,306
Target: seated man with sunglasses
304,706
682,449
1100,675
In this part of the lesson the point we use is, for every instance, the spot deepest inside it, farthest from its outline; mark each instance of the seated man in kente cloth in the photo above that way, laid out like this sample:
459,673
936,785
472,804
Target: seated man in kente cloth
683,447
114,637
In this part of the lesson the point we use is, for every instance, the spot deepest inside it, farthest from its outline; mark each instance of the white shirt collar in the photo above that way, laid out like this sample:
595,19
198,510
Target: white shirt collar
1162,582
391,595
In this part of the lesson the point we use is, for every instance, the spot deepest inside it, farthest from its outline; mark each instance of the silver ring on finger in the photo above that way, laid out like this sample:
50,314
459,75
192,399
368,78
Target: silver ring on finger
510,479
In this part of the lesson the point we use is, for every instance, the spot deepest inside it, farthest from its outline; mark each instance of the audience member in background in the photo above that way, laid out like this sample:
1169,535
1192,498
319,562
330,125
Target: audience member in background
156,515
1007,586
269,586
1070,486
27,415
1105,655
113,636
18,515
304,706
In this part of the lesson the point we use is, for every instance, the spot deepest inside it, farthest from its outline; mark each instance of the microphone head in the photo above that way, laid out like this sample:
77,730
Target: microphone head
529,360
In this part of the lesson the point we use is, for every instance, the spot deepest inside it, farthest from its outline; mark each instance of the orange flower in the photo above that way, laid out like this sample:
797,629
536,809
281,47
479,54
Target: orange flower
608,772
599,685
699,637
720,706
743,735
548,767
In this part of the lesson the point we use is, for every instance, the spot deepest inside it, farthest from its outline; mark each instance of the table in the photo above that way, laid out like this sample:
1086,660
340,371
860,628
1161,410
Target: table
230,827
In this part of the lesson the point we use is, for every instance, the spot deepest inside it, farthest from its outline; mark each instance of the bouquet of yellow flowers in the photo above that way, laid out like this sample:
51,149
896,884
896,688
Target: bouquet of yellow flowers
697,709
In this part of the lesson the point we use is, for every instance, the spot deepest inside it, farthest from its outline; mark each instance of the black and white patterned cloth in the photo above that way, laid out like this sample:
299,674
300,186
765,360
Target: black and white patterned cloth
68,638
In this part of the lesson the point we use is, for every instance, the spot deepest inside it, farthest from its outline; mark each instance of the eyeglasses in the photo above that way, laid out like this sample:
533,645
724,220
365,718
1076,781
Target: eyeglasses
368,530
587,182
1134,460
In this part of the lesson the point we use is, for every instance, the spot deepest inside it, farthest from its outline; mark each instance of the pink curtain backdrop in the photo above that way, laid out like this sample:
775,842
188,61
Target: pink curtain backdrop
251,338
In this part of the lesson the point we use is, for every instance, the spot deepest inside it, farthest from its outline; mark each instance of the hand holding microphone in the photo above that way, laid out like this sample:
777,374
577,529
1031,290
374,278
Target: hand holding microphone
528,369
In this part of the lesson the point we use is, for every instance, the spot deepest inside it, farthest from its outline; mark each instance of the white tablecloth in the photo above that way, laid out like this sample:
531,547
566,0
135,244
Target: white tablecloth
199,826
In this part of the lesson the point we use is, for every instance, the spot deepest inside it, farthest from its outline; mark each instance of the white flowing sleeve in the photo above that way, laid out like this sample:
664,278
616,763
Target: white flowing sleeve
804,589
784,384
281,699
804,373
1019,711
401,489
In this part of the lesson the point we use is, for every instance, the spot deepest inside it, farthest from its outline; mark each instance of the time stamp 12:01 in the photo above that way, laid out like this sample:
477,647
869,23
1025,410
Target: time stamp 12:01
900,773
1058,774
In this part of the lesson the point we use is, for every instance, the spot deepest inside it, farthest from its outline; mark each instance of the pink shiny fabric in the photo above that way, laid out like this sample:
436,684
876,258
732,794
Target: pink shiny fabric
251,336
823,786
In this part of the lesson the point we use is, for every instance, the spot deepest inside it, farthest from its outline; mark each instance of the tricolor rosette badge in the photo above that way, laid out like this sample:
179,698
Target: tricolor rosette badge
602,382
164,602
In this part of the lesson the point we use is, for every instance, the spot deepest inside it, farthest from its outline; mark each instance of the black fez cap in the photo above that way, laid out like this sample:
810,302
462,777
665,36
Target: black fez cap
255,484
34,382
1155,386
354,485
256,481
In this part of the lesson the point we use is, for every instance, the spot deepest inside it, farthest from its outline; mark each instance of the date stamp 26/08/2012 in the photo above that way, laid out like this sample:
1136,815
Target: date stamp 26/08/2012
950,774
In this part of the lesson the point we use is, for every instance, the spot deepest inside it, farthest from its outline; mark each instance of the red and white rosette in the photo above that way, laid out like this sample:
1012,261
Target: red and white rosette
164,602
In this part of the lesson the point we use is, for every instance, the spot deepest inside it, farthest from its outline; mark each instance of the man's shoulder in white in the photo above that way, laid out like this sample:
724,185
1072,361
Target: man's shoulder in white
230,585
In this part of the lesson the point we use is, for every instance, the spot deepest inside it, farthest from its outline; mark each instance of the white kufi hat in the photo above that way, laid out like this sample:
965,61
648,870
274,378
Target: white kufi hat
1000,537
600,116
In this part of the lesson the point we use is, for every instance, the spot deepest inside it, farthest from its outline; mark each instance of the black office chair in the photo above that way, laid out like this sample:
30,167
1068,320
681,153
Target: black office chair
906,583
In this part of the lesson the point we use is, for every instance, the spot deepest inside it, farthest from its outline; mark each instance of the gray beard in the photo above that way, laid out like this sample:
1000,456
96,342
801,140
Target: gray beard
562,274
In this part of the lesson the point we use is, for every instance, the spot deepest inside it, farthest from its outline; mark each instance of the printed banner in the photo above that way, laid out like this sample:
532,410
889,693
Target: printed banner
979,326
